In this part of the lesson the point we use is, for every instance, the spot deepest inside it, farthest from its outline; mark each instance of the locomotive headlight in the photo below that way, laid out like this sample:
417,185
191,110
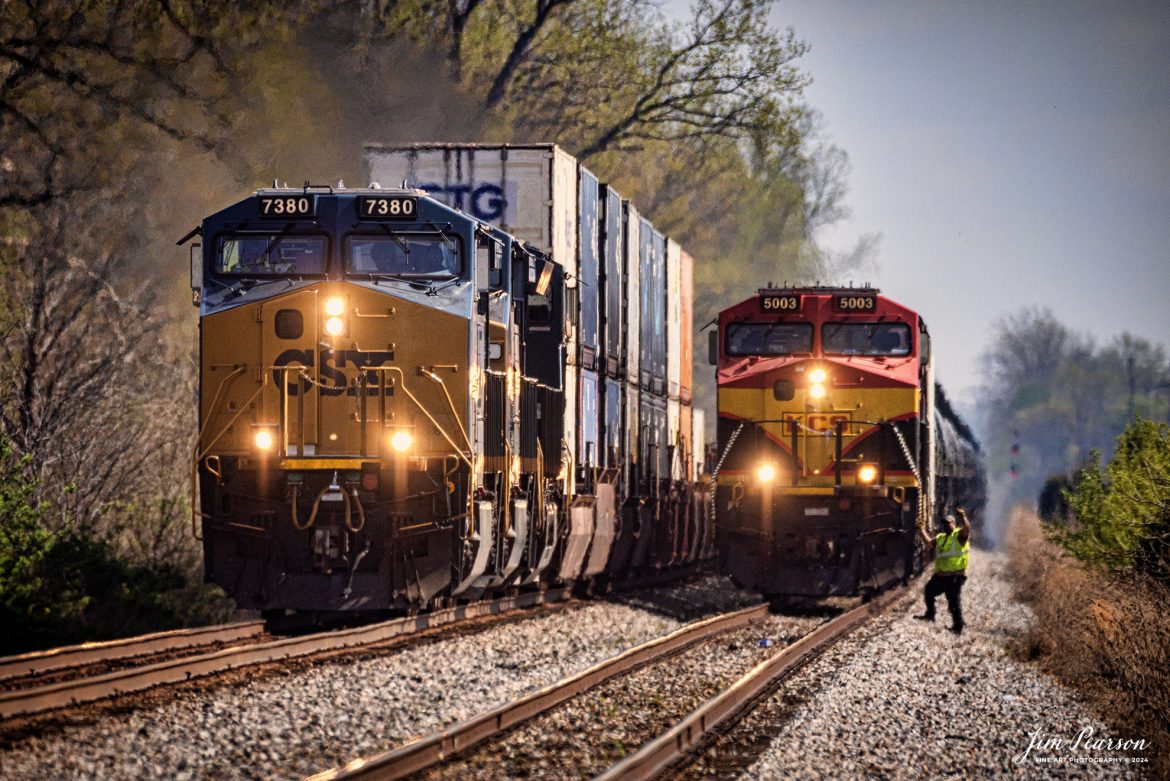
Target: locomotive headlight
816,390
334,316
263,439
401,441
766,473
817,376
867,473
334,326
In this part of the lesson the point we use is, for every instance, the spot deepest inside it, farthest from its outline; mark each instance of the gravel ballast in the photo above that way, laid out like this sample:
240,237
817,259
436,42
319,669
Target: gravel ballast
330,713
902,698
583,737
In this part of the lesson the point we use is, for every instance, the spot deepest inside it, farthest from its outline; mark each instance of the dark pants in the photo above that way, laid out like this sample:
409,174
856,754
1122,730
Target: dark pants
952,586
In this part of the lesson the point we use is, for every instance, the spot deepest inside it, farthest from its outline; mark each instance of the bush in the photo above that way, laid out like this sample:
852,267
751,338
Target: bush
1108,636
66,587
1121,517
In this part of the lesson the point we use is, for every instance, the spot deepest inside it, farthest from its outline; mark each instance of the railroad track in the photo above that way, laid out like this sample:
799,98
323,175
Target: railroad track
28,669
38,699
433,752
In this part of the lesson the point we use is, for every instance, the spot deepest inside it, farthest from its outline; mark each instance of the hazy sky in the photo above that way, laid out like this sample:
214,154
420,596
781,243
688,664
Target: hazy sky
1011,154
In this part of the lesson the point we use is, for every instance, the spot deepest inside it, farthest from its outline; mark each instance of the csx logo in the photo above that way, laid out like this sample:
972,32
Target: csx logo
818,422
333,380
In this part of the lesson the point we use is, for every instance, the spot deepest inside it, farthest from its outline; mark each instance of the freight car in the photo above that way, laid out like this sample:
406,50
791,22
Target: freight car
833,445
463,386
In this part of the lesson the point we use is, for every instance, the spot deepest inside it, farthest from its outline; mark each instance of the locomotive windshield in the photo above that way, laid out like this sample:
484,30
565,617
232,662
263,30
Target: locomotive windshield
769,338
261,255
867,339
403,255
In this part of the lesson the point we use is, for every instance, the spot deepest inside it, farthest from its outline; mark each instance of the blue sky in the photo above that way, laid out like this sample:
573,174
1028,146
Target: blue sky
1011,154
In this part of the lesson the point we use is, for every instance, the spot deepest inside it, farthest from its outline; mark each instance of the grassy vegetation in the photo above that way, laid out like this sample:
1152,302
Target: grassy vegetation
1097,577
68,586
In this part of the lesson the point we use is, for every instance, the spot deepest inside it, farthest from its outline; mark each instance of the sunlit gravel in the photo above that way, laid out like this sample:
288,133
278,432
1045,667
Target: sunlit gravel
319,718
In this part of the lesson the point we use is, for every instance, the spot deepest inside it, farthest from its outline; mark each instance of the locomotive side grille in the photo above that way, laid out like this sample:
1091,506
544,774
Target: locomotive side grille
494,416
528,420
551,415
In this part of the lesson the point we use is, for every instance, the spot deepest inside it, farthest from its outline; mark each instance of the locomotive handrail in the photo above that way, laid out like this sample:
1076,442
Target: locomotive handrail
239,369
467,457
425,411
199,455
430,374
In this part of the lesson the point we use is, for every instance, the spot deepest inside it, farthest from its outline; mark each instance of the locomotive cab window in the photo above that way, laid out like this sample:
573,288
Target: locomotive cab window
428,256
769,338
892,339
259,255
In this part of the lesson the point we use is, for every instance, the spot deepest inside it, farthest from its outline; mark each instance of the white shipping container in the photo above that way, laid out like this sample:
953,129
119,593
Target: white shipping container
674,337
529,190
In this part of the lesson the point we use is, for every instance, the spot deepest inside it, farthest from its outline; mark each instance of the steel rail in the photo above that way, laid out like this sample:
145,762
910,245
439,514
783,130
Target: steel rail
432,749
85,690
660,753
65,657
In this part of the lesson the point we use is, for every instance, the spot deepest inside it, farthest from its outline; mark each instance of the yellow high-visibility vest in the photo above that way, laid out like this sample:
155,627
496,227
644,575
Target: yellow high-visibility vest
950,555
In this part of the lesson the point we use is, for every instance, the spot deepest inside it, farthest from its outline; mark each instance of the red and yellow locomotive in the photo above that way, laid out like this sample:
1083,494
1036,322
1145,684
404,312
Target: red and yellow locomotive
827,454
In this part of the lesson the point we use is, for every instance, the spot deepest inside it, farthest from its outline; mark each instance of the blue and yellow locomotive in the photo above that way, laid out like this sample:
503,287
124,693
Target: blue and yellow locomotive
383,421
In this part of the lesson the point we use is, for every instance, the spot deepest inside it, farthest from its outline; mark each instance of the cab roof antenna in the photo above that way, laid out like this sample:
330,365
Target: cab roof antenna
275,184
375,186
340,184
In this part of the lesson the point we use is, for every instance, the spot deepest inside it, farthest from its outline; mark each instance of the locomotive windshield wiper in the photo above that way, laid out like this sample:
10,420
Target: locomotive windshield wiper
397,239
434,289
240,287
446,239
873,331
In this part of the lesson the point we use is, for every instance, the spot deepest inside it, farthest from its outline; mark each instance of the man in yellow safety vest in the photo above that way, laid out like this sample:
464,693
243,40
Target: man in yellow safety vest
952,550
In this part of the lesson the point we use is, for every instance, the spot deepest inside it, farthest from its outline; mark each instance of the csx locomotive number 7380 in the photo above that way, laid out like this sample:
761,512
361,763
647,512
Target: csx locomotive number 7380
358,422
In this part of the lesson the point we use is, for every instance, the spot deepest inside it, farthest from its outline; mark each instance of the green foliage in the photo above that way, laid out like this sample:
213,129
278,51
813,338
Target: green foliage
67,586
1121,517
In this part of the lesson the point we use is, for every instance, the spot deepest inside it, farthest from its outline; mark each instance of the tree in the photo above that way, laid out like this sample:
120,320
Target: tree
109,72
81,409
617,76
1121,517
